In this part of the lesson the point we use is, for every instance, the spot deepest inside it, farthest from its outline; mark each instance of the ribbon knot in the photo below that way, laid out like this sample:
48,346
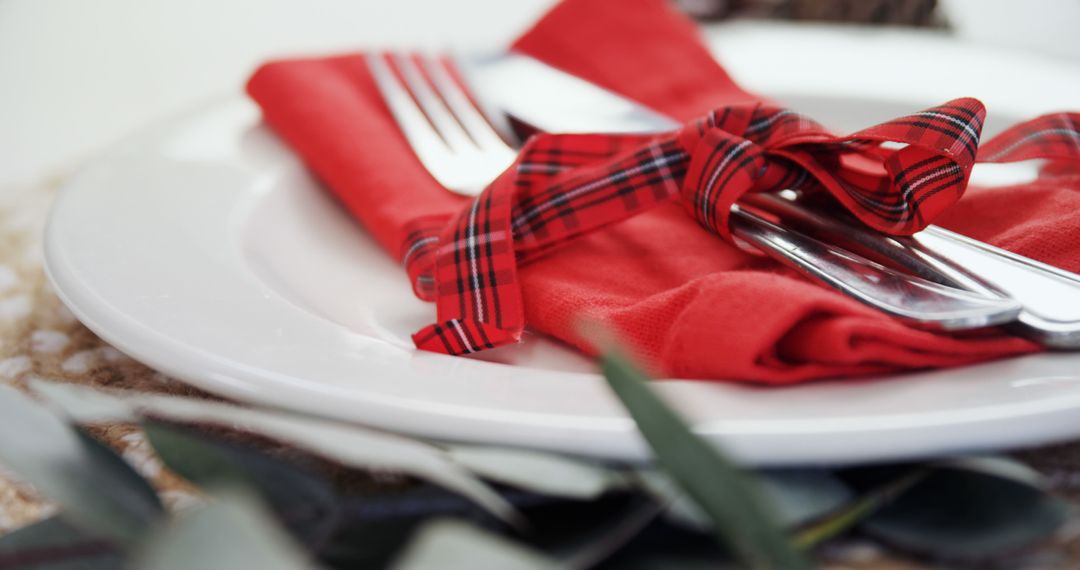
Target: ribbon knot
896,177
726,160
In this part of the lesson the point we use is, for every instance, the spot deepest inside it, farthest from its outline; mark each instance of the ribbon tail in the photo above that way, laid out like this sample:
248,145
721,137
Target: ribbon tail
457,337
1055,136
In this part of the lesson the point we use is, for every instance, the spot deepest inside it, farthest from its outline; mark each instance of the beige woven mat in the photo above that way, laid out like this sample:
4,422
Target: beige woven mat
39,337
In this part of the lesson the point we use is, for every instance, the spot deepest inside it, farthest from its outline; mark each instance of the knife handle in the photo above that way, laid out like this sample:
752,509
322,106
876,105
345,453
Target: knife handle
1050,296
912,299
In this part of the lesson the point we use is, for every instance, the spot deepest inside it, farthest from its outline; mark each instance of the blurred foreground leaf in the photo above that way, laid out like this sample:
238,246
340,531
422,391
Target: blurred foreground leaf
230,533
347,444
997,466
303,502
584,514
846,518
600,542
543,473
373,528
797,496
741,517
970,510
802,495
451,545
96,489
82,404
53,544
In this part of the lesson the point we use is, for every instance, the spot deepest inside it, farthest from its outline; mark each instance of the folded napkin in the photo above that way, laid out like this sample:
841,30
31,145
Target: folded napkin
689,303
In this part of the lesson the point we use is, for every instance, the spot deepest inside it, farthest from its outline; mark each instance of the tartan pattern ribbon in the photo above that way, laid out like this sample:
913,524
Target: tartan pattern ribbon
896,177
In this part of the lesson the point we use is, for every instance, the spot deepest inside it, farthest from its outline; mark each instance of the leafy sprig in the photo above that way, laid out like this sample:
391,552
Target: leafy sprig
472,506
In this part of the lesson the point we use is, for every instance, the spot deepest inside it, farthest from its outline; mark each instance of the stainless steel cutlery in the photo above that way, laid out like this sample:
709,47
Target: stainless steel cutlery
1050,297
936,279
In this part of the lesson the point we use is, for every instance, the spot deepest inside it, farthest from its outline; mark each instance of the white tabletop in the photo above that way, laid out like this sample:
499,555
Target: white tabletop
76,76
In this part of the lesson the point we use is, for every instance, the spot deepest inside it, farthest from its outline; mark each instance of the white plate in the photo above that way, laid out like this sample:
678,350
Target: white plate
204,249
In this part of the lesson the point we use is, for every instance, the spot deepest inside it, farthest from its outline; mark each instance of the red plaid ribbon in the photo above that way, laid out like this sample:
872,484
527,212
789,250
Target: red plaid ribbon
896,177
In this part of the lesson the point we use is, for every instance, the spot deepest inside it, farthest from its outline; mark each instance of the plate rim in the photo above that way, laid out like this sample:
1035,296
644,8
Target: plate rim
619,430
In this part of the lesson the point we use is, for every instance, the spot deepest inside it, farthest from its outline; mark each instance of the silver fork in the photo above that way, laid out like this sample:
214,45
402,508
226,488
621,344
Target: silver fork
464,153
456,144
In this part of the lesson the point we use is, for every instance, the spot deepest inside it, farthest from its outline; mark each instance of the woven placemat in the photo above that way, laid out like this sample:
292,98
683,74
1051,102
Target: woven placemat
39,337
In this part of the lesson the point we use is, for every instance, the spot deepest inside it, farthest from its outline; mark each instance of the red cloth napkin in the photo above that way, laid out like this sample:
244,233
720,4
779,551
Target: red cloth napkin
687,302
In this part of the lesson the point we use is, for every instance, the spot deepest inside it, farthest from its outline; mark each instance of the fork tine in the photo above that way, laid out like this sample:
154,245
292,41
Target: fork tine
451,156
432,105
475,124
489,111
414,125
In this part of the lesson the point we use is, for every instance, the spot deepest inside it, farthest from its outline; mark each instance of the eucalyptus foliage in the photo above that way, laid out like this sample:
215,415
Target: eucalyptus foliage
462,506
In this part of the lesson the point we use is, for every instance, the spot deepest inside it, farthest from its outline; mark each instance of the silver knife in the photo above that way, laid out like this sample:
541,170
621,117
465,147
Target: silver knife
554,101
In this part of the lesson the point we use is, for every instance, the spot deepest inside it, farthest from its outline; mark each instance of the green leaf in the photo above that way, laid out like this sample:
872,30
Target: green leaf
741,517
376,524
375,527
599,542
543,473
679,508
675,544
798,496
843,519
232,532
802,495
348,444
965,514
53,544
996,466
96,489
452,545
303,502
83,405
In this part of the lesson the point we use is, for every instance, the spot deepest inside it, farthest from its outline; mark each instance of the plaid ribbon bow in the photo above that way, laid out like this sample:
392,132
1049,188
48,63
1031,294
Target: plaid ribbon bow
896,177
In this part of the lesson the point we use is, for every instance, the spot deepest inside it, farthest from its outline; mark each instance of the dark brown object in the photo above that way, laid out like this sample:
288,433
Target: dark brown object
921,13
